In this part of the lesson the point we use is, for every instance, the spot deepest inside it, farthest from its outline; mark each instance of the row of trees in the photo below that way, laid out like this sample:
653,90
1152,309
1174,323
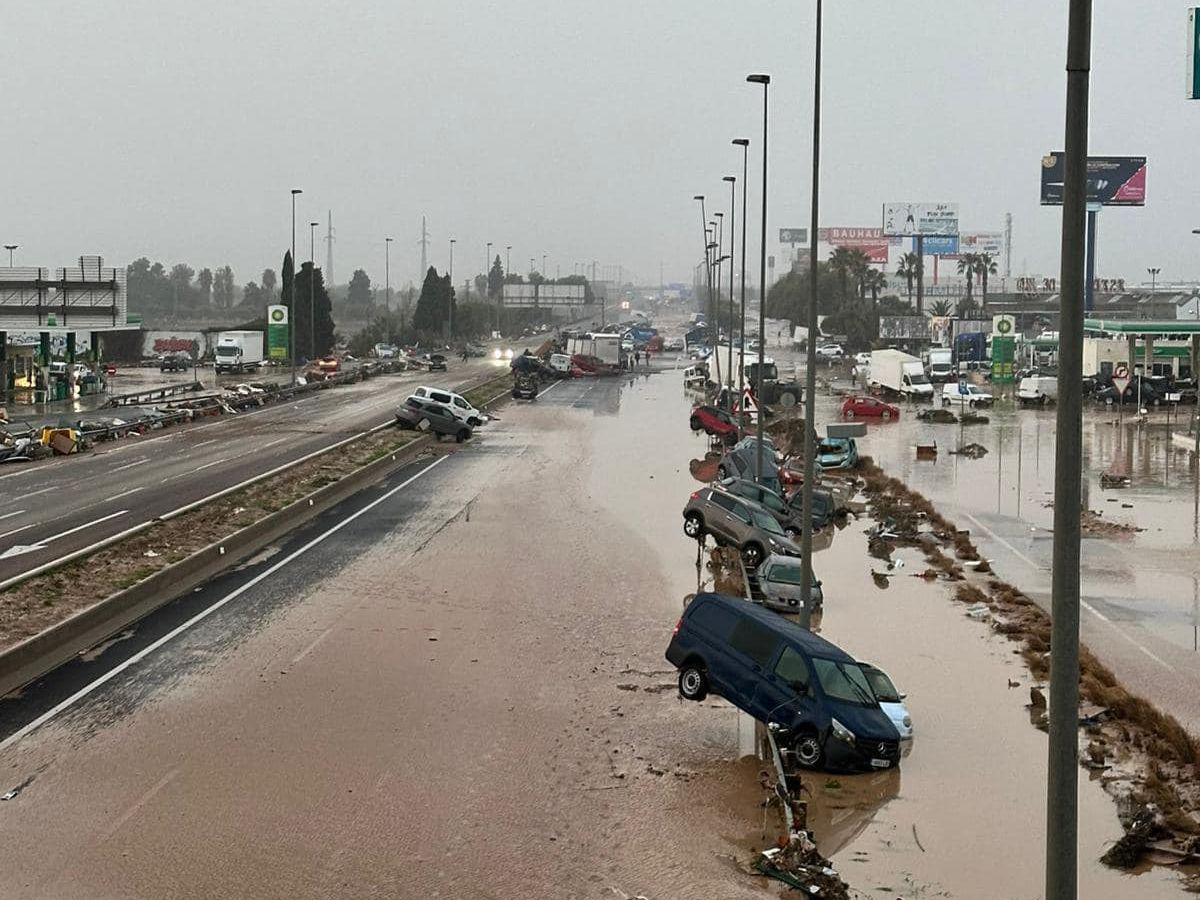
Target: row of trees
973,265
183,292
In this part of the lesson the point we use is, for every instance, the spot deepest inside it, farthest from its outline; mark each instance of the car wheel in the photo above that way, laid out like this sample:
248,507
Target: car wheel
693,683
945,403
423,425
847,414
885,415
787,399
752,555
722,472
462,435
693,526
695,423
792,533
809,752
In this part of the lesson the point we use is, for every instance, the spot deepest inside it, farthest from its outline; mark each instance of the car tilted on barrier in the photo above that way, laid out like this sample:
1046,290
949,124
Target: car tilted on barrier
810,692
456,403
427,415
737,522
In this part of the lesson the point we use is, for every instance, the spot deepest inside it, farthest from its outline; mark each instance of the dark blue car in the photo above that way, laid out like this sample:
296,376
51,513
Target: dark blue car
772,669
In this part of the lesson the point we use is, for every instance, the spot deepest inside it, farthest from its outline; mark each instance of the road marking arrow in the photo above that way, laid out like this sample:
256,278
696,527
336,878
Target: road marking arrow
19,549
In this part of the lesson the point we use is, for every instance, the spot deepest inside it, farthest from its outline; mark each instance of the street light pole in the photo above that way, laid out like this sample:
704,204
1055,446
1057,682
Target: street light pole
292,291
10,248
810,374
1062,786
732,231
1153,273
387,274
508,259
765,81
744,143
451,274
312,280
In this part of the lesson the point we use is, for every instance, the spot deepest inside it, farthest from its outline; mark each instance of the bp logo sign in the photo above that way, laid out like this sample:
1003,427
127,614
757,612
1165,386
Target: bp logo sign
1003,325
278,315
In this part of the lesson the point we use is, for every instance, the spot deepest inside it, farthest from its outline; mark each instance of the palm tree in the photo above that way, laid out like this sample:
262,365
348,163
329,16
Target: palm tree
985,265
966,306
860,265
940,307
841,261
966,266
907,269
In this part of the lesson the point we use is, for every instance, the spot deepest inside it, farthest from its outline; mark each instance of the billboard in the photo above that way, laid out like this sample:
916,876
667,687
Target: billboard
920,218
991,242
277,331
939,245
1111,180
793,235
871,241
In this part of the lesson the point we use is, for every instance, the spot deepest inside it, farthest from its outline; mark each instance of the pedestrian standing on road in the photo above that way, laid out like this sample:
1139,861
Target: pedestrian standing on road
637,358
647,356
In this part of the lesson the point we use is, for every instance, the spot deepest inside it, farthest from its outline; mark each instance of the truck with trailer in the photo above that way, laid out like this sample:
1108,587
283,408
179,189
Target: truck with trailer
900,373
238,351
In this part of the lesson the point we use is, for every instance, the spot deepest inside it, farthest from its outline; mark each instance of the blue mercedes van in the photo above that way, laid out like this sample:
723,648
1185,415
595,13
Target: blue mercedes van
810,690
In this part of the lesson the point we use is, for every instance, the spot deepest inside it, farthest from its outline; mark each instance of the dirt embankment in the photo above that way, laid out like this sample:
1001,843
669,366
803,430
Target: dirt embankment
44,600
1145,758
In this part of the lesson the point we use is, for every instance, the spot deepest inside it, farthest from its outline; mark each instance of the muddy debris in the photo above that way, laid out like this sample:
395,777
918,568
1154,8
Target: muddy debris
798,863
971,451
1114,480
937,415
1093,524
726,567
973,418
1144,829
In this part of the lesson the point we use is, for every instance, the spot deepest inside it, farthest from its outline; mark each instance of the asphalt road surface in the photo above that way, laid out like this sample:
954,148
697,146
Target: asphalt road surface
50,509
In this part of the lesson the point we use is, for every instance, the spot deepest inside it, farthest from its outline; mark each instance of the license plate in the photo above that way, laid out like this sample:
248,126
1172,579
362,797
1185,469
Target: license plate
881,763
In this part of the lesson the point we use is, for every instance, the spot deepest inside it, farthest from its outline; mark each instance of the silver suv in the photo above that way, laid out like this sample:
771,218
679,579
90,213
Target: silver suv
737,522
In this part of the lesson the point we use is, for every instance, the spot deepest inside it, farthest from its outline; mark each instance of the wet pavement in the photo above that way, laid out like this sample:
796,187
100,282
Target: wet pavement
462,692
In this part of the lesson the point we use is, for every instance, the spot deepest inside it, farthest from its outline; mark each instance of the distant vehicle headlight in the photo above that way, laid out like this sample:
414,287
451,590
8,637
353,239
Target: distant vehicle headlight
496,353
508,354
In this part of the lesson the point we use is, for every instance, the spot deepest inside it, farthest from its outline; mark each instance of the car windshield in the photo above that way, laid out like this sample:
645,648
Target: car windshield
831,448
881,685
918,378
766,522
784,573
843,682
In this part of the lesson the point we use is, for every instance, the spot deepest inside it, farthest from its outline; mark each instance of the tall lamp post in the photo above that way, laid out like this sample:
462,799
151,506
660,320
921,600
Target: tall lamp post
387,274
451,274
1153,273
732,231
765,81
745,145
291,289
707,251
10,248
1062,785
487,270
810,374
312,280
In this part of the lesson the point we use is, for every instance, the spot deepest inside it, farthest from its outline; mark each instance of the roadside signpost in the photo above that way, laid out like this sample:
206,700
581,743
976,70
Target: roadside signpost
277,332
1193,54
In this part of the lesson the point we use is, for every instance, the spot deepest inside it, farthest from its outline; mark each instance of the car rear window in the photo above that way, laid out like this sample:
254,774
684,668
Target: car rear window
723,500
755,640
440,398
413,403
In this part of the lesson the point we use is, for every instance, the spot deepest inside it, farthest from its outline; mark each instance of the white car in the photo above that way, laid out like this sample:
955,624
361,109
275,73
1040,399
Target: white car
830,351
862,359
891,701
456,403
965,395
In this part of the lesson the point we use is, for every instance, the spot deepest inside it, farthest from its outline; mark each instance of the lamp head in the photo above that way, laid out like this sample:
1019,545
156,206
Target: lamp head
759,79
742,142
729,178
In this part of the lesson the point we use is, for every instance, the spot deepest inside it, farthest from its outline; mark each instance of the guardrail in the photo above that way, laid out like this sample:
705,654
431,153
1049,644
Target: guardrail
56,645
150,395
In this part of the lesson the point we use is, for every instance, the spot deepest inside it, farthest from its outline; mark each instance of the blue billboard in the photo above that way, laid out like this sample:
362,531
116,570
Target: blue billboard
939,245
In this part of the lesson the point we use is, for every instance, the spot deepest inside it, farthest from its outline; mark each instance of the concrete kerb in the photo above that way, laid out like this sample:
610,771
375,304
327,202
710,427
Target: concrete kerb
56,645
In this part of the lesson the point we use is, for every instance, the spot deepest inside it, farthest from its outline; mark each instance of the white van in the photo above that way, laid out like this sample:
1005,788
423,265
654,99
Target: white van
1040,389
561,363
456,403
965,395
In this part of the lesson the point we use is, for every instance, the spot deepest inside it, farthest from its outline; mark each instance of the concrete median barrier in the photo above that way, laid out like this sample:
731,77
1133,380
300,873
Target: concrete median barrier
44,652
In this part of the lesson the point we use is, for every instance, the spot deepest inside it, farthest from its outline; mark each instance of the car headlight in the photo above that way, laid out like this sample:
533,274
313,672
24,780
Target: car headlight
841,732
496,353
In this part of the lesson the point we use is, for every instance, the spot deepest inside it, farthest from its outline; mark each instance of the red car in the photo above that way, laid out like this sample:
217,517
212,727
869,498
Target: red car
865,407
714,421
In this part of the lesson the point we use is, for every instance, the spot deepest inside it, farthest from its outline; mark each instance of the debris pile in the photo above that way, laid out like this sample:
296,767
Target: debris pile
1092,524
937,414
971,451
798,863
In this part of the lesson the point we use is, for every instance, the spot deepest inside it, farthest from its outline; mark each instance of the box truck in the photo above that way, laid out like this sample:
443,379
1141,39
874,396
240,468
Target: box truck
239,351
900,373
939,364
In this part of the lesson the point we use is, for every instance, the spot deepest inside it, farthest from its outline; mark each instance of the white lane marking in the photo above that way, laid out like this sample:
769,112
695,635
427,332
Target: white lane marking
203,443
1095,612
313,646
205,613
1157,659
215,462
84,526
1002,541
15,530
11,514
268,444
142,801
42,491
122,494
130,465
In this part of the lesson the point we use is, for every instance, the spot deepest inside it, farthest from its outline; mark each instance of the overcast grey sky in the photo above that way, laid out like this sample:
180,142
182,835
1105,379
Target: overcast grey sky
576,129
